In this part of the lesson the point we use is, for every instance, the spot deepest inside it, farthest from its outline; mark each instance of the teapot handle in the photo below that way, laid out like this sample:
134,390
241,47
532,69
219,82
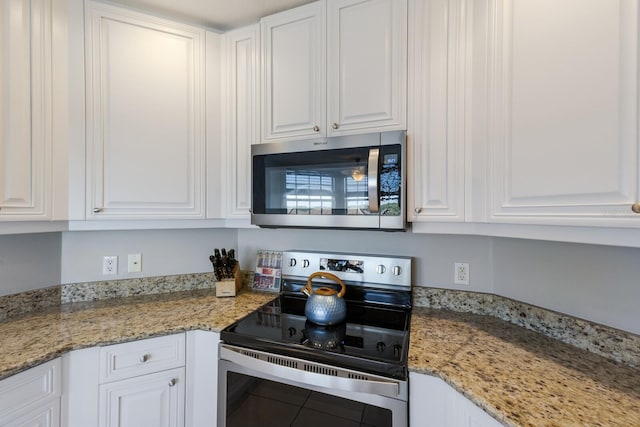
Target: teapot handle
308,288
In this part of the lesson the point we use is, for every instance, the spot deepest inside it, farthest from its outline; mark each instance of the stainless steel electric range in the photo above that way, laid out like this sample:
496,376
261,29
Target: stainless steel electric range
279,369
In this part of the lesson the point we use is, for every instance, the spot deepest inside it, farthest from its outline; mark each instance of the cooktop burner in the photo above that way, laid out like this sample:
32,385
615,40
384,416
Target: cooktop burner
374,337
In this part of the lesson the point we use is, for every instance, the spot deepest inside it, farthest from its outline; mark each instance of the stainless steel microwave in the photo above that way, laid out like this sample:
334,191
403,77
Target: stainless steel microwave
355,181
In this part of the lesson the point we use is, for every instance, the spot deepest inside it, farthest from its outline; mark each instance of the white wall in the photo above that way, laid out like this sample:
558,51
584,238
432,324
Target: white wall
164,252
434,255
598,283
29,261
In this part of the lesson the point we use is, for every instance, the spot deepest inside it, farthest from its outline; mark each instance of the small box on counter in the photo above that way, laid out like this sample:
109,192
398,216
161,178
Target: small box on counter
268,271
229,278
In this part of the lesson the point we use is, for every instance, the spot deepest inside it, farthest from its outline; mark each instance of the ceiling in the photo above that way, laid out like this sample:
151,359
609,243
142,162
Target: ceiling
217,14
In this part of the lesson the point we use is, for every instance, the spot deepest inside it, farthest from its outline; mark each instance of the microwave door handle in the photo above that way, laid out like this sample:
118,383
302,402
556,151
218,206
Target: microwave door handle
372,180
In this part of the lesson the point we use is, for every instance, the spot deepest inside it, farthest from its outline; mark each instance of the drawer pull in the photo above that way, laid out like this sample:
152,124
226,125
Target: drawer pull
145,358
636,207
172,382
417,210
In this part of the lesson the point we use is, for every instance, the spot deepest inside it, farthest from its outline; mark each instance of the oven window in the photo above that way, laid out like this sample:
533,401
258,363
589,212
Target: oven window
256,402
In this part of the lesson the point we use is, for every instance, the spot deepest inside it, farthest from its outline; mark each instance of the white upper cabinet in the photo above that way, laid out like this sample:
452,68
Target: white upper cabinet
357,46
25,110
562,111
436,122
242,54
145,116
294,73
367,66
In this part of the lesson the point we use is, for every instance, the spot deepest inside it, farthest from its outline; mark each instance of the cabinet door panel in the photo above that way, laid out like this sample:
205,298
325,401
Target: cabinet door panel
293,73
25,111
45,415
148,400
563,113
436,111
145,136
367,65
242,129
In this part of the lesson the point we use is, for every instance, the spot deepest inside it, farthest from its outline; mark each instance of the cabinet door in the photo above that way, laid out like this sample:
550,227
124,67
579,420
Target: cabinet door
436,125
45,415
145,138
433,403
367,65
25,109
149,400
293,73
242,55
562,111
32,398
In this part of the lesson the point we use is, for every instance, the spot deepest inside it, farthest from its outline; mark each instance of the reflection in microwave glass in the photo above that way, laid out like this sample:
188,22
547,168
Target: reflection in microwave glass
348,265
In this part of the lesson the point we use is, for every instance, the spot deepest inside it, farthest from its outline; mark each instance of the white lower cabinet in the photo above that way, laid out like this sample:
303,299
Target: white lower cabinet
165,381
142,383
433,403
202,379
32,398
148,400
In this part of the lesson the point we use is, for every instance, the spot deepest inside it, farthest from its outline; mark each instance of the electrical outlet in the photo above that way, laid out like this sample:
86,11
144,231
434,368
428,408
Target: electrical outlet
461,274
135,263
109,265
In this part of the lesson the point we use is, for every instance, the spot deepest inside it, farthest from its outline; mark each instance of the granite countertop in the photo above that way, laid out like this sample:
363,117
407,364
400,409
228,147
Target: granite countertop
520,377
40,336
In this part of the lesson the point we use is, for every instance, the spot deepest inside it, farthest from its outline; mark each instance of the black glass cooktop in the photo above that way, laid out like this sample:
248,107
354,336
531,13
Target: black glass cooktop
374,338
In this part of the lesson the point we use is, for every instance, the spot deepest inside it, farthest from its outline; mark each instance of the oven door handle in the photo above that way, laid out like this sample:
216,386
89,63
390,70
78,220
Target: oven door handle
310,373
372,180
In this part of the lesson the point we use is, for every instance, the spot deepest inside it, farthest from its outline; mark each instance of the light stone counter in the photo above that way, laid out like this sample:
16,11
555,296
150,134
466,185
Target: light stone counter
521,377
33,338
518,376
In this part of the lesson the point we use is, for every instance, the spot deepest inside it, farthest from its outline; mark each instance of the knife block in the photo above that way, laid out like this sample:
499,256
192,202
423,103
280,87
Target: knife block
230,287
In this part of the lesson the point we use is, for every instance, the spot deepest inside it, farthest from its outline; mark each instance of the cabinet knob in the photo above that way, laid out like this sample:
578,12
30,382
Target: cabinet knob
316,128
172,382
336,126
144,358
417,210
636,208
97,210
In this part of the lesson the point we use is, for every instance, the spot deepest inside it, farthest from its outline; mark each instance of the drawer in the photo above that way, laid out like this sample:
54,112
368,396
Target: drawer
142,357
30,387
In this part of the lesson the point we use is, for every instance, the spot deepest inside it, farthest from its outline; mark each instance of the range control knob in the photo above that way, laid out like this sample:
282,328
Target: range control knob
305,263
380,269
397,349
380,346
292,262
397,270
292,331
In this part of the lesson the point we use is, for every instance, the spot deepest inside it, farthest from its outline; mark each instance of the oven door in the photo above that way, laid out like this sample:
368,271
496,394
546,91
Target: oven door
347,182
258,389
